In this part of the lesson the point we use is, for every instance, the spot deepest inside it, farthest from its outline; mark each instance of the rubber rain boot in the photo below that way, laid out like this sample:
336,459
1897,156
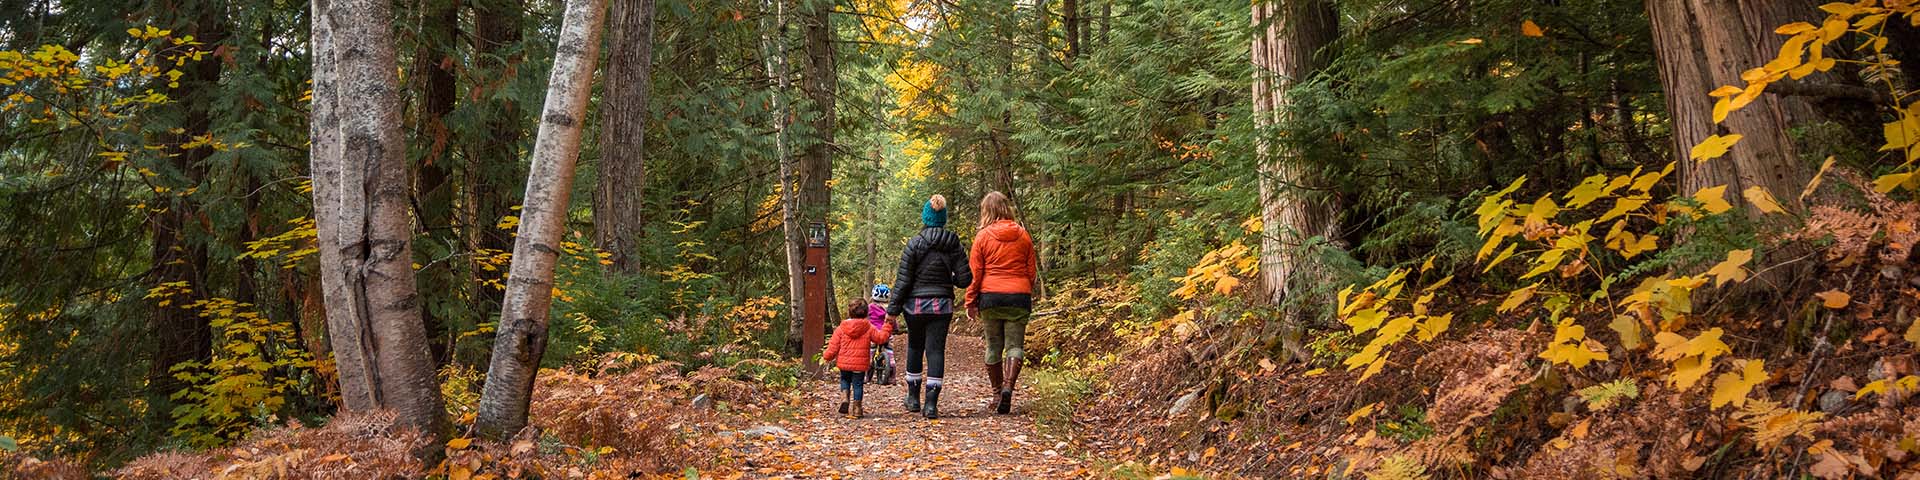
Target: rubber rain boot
931,408
913,396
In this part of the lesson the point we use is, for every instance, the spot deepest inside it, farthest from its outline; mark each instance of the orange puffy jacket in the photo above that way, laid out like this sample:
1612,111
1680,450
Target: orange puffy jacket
1002,260
848,347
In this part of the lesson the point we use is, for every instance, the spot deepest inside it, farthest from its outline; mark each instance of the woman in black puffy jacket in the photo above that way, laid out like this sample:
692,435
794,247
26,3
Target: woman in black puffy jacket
933,265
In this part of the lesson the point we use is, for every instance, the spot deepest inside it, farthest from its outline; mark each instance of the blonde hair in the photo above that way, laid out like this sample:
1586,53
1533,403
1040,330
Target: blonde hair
995,207
939,202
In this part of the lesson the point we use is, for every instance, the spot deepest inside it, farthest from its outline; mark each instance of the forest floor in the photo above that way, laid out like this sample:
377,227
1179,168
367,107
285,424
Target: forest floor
968,441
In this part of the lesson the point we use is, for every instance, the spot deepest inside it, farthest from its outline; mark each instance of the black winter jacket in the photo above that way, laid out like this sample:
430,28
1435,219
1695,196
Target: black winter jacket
932,266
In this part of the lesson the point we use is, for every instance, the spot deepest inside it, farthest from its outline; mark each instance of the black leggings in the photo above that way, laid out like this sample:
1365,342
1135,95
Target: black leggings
927,334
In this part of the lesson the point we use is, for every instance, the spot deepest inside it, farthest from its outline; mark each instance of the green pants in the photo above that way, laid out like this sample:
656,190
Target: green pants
1006,332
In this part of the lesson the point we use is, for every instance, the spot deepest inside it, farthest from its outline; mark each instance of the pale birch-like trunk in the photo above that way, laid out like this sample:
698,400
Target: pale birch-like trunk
522,333
774,42
1294,206
361,212
621,191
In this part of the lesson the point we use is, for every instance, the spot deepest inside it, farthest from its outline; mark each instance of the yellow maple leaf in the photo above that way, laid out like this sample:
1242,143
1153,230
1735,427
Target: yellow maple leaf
1542,212
1517,298
1713,199
1436,325
1363,412
1731,269
1688,371
459,443
1579,355
1225,285
1590,189
1886,183
1762,199
1732,388
1815,182
1913,334
1713,147
1629,330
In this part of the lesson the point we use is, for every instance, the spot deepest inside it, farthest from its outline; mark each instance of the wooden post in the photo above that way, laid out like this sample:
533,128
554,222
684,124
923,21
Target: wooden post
818,270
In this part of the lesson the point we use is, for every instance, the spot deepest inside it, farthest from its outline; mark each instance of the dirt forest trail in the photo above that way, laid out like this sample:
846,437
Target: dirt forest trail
968,441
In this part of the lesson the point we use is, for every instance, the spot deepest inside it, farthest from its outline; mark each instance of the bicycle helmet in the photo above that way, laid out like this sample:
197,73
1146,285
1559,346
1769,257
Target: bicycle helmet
881,293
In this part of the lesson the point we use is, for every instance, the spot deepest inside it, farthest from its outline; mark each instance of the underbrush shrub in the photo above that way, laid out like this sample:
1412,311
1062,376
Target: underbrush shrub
1056,394
620,416
366,445
20,466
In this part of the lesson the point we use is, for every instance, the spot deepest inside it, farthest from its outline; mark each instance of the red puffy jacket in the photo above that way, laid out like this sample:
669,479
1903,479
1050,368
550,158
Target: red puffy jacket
1003,261
848,349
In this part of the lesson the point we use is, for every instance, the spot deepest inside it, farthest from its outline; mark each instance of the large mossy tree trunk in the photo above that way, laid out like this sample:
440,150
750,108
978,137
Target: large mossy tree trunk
522,335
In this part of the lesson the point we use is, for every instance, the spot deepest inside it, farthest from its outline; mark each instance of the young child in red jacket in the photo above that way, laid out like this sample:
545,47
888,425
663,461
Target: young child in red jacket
851,349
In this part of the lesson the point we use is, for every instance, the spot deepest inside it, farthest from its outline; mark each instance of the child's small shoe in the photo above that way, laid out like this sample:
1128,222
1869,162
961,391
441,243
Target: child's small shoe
843,408
858,410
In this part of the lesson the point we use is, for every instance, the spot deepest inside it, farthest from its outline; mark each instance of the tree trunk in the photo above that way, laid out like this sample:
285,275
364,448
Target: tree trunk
1295,206
816,162
522,336
491,173
620,193
361,212
180,335
774,42
1071,10
1704,44
433,63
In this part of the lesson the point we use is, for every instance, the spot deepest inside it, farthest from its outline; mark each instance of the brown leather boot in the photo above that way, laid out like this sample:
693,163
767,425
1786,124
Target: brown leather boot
858,409
995,375
1006,394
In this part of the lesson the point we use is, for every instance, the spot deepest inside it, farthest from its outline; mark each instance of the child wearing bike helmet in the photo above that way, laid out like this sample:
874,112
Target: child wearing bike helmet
883,366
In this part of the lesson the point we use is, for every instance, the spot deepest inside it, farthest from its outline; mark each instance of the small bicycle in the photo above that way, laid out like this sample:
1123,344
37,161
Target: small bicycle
881,371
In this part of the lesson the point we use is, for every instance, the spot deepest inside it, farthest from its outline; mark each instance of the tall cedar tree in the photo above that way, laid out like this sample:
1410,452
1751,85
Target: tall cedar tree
1294,204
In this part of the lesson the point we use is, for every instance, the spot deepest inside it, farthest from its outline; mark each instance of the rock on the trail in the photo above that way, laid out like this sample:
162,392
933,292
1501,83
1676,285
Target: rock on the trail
702,401
1833,401
1183,404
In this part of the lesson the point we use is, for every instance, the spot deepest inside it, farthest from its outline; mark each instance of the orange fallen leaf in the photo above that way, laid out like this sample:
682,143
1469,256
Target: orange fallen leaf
1834,299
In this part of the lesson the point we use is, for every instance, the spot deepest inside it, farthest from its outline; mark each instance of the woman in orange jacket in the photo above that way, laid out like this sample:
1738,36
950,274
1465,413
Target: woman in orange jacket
1005,271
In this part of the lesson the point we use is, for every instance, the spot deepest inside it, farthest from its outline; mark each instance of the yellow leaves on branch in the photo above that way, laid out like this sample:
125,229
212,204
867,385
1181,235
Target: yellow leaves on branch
1903,387
1217,270
1371,310
1692,358
1572,347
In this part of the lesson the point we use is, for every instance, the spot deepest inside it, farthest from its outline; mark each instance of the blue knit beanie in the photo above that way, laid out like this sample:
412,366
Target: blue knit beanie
931,217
